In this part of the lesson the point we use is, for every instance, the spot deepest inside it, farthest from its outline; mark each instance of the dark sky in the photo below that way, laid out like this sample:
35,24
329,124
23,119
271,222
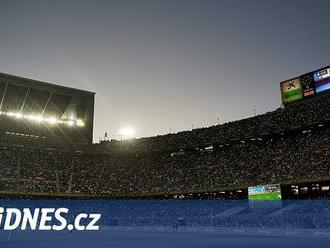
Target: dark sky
157,65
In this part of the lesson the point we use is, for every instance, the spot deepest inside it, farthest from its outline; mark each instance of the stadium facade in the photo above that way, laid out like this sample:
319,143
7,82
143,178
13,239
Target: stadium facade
35,110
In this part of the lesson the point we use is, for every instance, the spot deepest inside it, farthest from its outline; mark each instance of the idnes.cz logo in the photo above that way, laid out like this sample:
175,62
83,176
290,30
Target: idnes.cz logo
46,219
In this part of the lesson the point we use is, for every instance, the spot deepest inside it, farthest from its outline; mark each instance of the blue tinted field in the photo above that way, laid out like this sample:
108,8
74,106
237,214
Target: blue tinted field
159,239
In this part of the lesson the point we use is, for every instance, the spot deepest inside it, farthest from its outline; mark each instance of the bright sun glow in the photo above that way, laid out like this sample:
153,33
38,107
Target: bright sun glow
127,132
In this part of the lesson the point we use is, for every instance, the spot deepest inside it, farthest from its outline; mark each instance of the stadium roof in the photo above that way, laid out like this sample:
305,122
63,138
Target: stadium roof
43,83
18,94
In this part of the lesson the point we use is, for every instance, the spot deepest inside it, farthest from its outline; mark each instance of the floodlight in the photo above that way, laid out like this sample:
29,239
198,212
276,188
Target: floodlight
18,115
80,123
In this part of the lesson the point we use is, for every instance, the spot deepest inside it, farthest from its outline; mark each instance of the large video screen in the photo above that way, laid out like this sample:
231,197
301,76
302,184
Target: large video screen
322,80
265,192
307,84
291,90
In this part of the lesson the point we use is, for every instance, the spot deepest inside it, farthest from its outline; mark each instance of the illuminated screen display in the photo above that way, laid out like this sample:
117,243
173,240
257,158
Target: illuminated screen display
307,84
291,90
322,80
265,192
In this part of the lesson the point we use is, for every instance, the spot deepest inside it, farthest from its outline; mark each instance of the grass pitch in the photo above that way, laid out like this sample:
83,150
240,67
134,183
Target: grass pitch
265,197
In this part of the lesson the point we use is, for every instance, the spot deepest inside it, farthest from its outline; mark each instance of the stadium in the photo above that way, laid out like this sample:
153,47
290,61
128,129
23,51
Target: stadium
249,170
215,117
47,150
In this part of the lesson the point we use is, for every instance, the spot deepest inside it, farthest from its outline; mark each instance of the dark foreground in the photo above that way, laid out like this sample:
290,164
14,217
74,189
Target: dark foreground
150,239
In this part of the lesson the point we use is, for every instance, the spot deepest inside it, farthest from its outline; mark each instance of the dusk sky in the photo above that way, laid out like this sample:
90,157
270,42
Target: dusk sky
161,65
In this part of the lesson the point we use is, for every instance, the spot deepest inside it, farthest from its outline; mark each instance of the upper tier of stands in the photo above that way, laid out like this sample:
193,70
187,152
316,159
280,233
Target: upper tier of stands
304,114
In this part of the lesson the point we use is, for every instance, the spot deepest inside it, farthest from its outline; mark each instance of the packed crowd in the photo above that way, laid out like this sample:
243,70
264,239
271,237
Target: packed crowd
300,114
195,213
305,214
295,147
275,160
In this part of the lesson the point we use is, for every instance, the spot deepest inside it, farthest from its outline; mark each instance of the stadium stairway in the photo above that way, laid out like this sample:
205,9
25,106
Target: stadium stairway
281,211
231,211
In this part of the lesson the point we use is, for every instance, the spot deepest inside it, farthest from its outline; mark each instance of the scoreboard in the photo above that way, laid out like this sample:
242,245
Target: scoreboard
322,80
265,192
291,90
306,85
